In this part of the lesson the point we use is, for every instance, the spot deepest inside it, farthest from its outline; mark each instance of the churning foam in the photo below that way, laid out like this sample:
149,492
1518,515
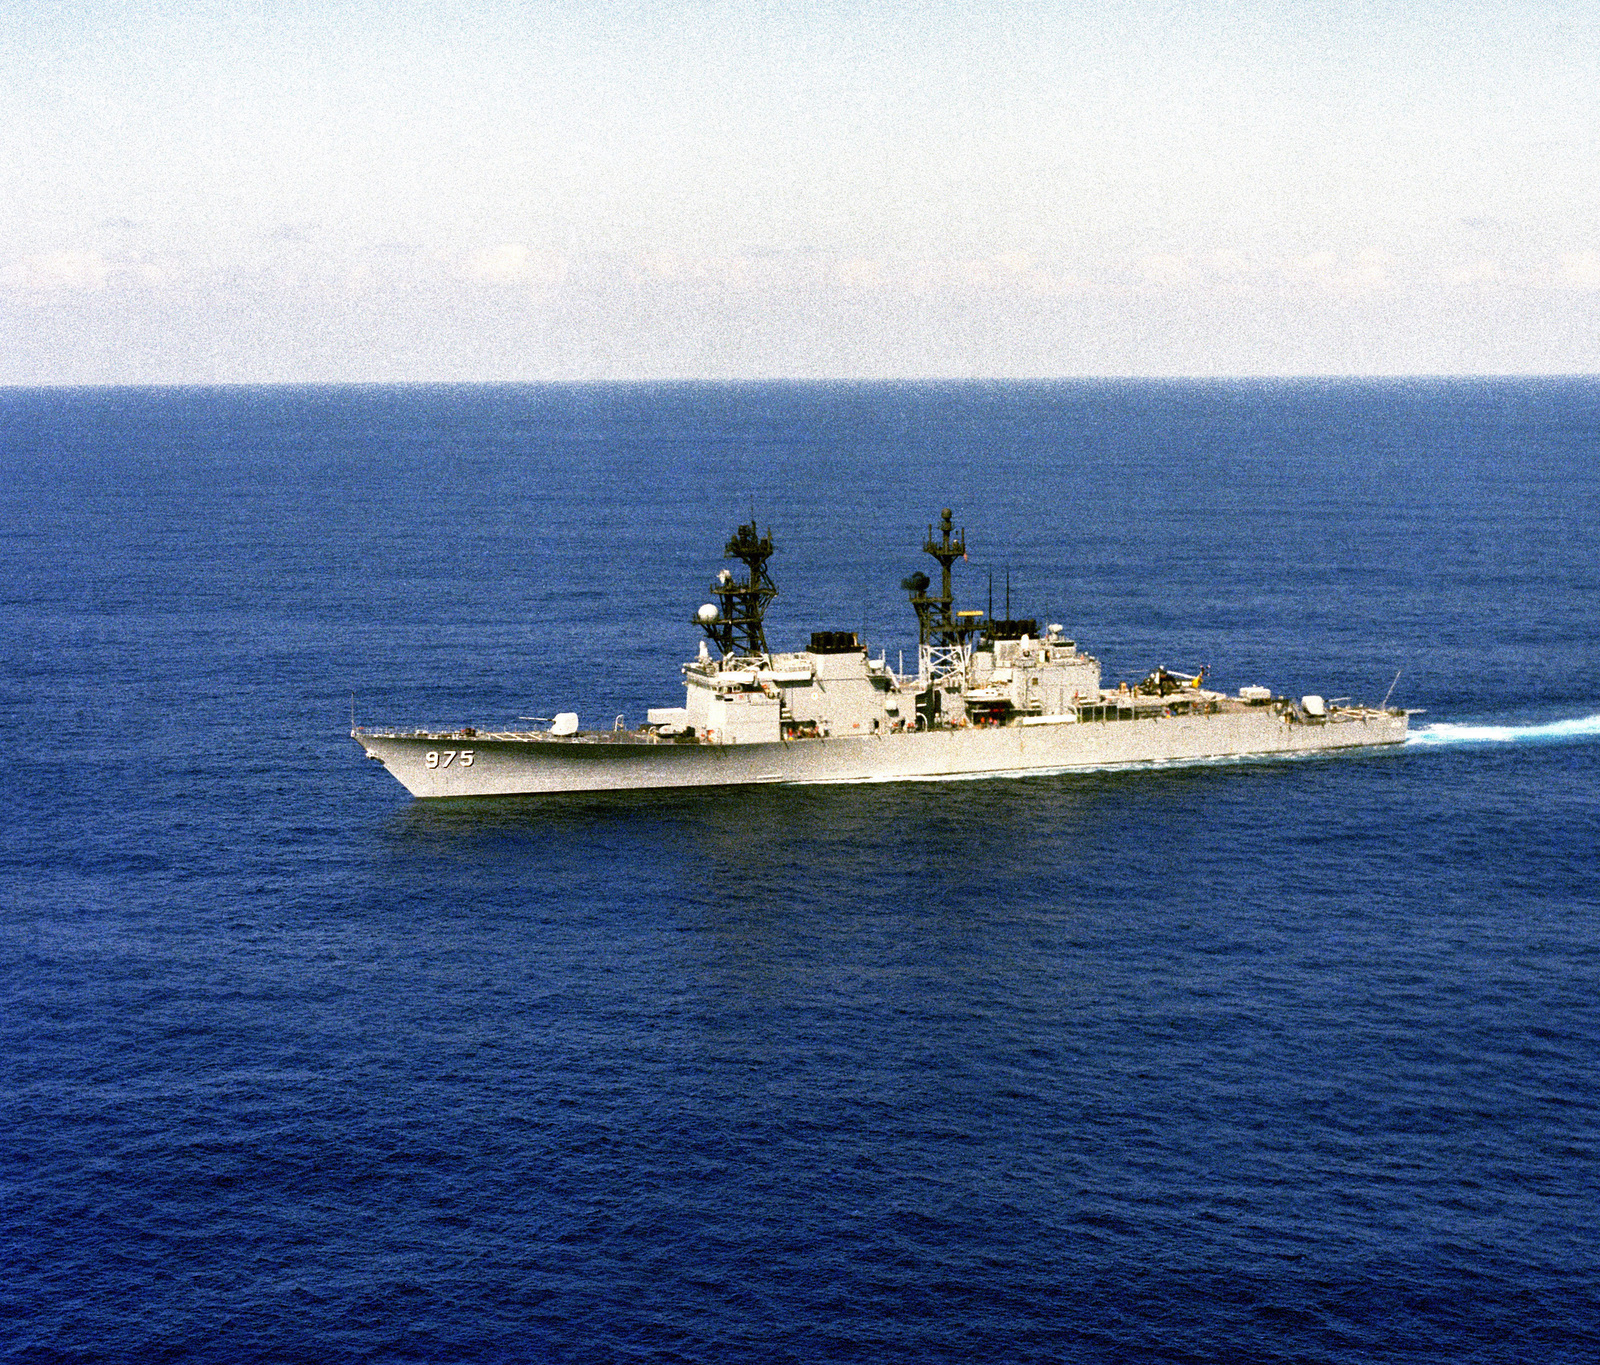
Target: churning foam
1448,732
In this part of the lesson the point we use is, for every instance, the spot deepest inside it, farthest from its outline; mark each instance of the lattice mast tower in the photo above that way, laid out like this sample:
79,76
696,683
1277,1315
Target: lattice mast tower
736,626
937,624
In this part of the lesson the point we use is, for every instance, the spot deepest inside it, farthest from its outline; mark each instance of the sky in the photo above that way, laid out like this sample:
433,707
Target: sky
223,191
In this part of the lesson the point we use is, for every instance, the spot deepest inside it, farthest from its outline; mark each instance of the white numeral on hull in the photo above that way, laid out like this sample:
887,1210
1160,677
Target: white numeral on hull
443,758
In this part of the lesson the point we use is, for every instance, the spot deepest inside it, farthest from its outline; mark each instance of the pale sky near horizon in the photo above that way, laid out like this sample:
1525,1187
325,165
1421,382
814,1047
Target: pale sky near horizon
197,192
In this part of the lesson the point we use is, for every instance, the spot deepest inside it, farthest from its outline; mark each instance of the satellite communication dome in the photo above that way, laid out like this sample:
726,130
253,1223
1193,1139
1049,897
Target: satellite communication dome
706,615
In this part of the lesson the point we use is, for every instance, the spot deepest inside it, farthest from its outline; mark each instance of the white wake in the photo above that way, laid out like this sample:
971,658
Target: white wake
1450,732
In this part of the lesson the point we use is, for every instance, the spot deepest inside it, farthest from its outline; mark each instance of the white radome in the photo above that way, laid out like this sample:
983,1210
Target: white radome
706,615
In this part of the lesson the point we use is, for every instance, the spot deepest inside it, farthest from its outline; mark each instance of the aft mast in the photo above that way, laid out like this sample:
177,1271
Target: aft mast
943,634
735,627
936,623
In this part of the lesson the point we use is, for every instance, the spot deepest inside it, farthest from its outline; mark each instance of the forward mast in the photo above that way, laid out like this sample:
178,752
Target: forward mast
736,627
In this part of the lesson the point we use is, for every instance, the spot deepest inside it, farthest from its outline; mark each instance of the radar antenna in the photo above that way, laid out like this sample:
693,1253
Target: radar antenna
735,627
936,625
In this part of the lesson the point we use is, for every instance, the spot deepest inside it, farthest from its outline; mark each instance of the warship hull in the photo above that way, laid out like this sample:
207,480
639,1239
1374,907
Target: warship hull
434,765
989,698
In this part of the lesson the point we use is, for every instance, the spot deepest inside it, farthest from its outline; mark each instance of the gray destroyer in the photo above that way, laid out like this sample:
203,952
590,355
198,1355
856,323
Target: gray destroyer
989,698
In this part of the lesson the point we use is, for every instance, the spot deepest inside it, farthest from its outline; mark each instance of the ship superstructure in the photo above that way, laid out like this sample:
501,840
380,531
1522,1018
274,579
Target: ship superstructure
988,697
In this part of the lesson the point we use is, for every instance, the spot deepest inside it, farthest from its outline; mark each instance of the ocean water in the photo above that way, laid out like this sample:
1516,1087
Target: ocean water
1260,1061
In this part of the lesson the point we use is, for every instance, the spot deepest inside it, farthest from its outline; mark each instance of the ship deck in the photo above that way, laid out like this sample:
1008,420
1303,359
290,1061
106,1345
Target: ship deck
1110,710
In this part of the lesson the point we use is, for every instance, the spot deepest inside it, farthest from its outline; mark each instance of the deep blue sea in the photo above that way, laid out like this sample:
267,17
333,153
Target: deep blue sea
1263,1061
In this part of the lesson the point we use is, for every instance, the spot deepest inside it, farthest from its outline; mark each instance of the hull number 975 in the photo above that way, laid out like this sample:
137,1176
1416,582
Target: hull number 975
443,758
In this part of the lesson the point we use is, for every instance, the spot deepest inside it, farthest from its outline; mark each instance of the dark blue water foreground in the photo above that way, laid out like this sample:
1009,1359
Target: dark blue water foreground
1254,1062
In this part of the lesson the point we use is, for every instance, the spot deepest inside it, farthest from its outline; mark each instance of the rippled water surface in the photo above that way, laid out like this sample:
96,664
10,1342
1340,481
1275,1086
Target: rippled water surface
1252,1061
